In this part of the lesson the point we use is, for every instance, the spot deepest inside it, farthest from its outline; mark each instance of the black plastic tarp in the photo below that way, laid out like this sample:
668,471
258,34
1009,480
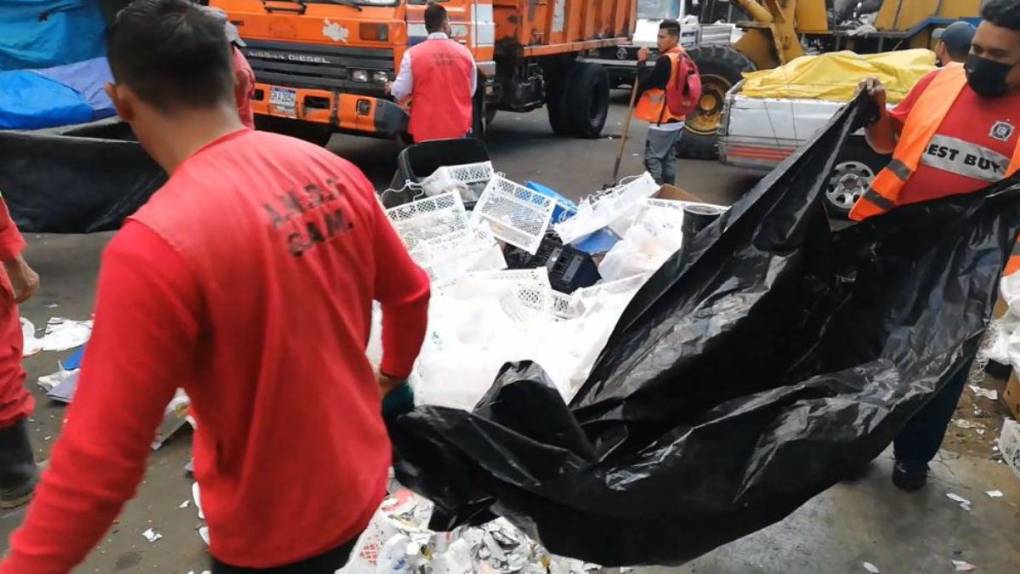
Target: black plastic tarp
76,179
738,384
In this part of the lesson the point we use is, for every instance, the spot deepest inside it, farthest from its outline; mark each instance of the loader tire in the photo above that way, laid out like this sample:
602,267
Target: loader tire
721,68
587,100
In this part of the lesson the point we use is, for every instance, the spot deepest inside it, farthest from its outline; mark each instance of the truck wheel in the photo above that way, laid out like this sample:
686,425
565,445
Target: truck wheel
479,116
856,167
721,67
315,133
555,102
587,99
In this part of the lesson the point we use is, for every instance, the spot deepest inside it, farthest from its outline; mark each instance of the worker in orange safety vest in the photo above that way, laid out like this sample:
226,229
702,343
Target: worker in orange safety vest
956,132
665,129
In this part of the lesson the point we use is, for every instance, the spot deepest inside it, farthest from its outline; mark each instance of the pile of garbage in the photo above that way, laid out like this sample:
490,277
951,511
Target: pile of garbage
529,274
398,541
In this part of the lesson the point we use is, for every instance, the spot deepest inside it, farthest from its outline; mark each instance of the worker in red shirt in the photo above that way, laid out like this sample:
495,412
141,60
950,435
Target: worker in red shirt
248,280
439,77
956,132
17,463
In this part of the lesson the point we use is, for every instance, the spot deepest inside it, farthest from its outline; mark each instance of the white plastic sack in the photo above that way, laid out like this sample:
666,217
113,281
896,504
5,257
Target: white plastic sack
1009,444
1009,288
653,237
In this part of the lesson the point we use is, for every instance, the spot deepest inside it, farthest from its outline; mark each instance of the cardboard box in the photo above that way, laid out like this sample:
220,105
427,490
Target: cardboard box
1011,396
1001,308
677,194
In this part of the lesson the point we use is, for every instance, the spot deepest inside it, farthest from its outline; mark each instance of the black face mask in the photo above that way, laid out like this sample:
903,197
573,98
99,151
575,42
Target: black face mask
987,77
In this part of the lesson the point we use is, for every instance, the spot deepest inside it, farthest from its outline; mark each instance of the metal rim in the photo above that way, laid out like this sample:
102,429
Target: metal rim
706,119
848,182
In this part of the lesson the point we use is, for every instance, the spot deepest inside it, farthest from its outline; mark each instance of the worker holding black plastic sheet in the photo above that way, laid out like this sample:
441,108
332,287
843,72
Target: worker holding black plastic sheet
248,279
956,132
665,128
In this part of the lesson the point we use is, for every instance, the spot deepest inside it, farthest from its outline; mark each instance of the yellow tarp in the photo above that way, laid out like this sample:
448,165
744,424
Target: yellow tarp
835,76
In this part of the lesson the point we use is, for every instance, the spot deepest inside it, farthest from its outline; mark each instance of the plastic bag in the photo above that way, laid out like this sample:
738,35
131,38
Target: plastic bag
748,375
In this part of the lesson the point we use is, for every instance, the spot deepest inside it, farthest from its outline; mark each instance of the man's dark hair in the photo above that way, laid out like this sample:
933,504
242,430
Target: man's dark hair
672,27
435,18
1003,13
171,53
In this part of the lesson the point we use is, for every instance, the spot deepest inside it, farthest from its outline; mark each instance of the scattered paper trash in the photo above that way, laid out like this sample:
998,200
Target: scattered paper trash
994,493
60,335
962,566
64,391
964,503
989,394
967,425
151,535
203,533
175,416
184,504
197,496
871,568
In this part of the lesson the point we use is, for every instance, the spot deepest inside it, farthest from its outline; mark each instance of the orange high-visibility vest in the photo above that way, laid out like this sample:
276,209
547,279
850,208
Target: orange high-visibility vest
921,125
652,106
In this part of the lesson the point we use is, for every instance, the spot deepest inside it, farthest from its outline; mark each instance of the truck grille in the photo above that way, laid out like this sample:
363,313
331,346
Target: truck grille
320,67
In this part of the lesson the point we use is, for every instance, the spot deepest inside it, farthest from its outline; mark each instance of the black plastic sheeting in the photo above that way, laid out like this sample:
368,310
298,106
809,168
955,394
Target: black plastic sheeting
741,381
76,179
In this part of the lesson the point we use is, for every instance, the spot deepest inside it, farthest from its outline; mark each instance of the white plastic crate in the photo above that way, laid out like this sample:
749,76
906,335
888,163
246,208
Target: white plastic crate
514,213
428,218
469,179
602,209
451,256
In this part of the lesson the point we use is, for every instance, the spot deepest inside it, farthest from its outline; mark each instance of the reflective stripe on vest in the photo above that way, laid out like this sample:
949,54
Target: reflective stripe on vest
652,106
919,130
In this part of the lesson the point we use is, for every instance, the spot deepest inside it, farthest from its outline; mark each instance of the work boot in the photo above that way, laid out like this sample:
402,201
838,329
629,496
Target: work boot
910,476
18,471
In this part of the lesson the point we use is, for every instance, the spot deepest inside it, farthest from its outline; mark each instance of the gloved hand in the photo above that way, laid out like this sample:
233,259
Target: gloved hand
398,401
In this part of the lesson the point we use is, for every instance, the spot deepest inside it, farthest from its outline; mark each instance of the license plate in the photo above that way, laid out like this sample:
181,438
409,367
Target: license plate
283,100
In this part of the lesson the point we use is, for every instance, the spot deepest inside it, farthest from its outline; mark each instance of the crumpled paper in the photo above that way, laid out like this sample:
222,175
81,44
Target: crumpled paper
60,335
397,541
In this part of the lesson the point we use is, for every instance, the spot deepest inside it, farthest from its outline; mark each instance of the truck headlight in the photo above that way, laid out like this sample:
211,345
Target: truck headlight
380,77
360,76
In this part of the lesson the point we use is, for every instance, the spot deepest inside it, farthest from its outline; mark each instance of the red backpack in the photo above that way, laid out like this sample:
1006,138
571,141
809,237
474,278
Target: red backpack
683,94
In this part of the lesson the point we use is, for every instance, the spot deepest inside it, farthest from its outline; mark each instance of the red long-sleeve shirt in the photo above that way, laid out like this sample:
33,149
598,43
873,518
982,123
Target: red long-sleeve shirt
11,242
221,285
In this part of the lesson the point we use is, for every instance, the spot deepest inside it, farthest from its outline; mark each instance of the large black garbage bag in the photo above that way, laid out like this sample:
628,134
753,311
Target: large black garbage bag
75,179
738,384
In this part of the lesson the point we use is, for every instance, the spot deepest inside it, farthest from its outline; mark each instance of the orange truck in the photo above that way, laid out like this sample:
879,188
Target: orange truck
321,66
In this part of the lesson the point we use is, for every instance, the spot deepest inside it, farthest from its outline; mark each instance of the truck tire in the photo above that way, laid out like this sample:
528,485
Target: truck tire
315,133
721,68
587,101
555,102
855,168
479,117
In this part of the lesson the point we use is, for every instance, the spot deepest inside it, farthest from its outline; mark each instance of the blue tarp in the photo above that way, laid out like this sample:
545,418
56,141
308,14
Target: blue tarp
46,33
58,96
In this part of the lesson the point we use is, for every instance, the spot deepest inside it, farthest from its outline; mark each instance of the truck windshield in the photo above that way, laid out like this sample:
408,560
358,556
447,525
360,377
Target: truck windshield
658,9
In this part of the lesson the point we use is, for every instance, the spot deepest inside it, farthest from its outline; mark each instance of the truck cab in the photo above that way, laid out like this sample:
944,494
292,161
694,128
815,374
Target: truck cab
321,66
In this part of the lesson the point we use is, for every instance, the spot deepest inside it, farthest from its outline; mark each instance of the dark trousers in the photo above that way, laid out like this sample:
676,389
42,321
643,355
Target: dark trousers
327,563
920,440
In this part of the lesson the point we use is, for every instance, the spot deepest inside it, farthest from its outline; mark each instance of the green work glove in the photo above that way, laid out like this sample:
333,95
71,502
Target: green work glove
398,401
